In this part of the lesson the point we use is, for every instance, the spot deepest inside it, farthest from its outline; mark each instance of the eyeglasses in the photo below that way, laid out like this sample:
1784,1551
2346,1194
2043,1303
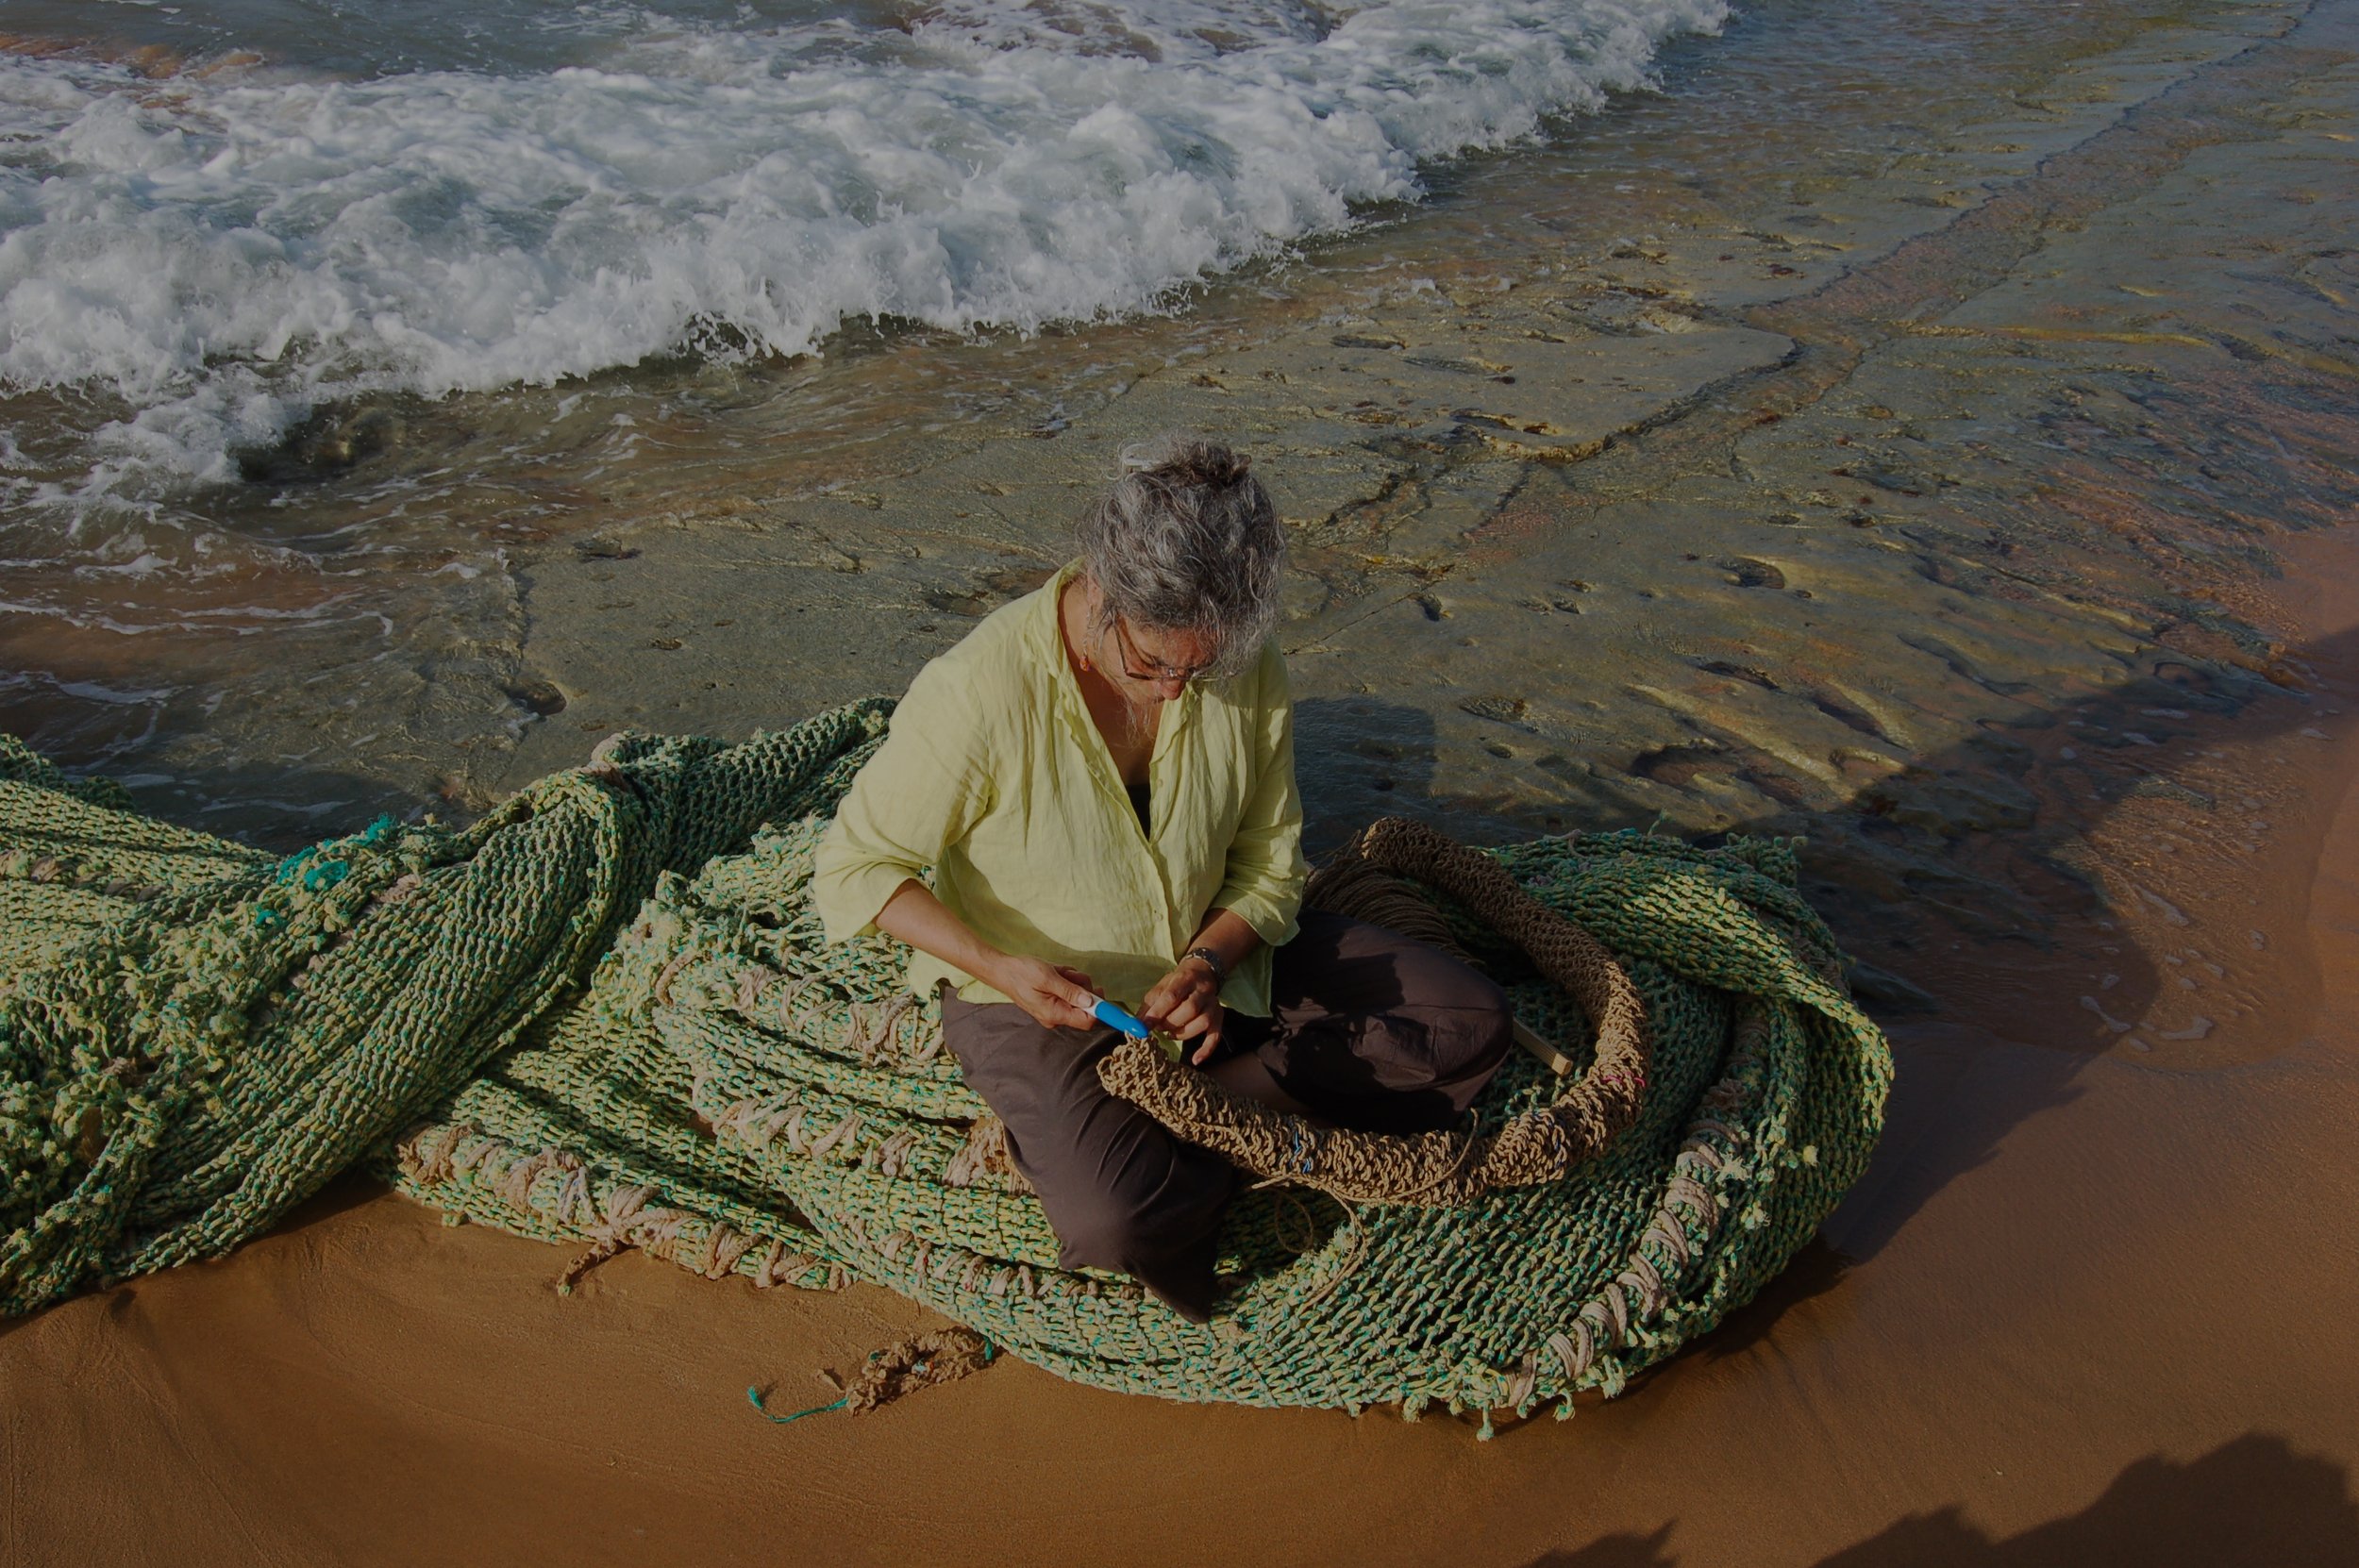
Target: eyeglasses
1156,669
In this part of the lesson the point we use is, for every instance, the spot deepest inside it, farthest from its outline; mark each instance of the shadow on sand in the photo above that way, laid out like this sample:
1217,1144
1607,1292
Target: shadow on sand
2254,1500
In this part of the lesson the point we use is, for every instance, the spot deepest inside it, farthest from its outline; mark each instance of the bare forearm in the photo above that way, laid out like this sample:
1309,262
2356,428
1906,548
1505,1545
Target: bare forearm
1054,995
916,916
1226,934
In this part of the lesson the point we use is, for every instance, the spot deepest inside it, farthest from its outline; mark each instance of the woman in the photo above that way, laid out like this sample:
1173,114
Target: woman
1101,779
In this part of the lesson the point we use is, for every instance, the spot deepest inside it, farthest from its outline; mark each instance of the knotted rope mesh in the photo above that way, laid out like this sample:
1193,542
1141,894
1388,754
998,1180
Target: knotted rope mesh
605,1016
1538,1145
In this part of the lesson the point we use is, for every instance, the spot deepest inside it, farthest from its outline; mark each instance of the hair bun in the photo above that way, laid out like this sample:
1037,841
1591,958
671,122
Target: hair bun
1193,463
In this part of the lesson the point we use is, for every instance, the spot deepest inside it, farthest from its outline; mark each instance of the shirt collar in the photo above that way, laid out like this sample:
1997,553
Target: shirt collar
1046,638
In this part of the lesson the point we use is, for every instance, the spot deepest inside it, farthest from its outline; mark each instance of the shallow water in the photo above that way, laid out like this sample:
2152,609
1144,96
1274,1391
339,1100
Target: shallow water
309,315
270,518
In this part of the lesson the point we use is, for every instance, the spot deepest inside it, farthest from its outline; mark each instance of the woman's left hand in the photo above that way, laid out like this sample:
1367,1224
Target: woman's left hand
1185,1004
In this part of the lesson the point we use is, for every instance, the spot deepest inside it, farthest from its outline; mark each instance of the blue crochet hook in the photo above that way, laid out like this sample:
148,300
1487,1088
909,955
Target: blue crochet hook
1114,1018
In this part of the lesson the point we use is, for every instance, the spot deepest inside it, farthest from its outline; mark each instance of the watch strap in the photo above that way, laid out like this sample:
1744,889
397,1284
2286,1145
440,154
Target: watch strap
1220,970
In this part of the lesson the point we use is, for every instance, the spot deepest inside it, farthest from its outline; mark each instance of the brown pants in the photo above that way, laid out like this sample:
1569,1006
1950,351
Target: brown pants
1370,1030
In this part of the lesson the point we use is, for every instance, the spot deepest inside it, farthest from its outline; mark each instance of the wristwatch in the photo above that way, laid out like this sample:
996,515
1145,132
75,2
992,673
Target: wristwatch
1220,970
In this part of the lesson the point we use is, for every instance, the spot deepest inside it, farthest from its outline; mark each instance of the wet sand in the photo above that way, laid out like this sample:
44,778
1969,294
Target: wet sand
1992,540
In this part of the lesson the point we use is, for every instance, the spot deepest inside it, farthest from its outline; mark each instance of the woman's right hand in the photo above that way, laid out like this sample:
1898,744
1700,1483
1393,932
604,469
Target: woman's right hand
1053,995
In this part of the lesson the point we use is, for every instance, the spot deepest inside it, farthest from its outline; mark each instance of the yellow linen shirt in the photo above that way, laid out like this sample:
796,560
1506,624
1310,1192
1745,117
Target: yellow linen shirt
995,779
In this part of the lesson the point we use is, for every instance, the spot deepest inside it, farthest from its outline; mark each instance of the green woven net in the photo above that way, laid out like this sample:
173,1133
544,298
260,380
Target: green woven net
604,1015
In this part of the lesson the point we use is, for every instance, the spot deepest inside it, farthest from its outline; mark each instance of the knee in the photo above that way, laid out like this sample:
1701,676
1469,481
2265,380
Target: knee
1109,1237
1474,1039
1167,1246
1497,1032
1468,1026
1137,1228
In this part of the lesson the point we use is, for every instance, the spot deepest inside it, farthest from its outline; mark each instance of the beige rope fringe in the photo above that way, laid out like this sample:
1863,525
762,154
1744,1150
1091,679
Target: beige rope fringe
1434,1168
918,1361
911,1363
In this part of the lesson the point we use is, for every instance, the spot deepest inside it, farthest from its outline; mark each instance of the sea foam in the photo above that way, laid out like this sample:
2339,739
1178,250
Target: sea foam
212,256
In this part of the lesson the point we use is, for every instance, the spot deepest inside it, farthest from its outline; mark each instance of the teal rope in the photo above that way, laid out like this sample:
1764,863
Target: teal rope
755,1395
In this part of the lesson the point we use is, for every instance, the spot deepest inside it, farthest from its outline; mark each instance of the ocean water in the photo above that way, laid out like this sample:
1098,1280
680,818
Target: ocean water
320,202
320,320
312,311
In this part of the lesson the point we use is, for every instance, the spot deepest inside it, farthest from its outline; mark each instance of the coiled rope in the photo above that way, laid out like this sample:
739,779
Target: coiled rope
1436,1168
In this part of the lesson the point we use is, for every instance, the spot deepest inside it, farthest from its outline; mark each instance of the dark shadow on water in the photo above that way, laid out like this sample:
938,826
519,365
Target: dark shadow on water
282,809
1357,759
2011,893
1361,757
1971,843
277,809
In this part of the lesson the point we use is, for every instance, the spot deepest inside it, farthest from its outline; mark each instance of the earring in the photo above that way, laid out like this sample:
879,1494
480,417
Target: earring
1085,663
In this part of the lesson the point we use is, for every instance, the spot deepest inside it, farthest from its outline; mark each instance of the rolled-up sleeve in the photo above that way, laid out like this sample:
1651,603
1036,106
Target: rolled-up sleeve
918,795
1263,882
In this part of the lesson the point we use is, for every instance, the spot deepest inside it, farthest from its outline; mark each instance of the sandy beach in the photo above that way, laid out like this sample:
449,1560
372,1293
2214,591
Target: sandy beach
1947,462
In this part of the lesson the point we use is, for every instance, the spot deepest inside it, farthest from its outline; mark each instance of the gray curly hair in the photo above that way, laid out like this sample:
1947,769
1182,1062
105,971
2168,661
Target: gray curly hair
1187,541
